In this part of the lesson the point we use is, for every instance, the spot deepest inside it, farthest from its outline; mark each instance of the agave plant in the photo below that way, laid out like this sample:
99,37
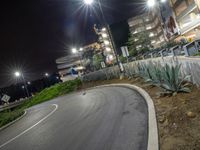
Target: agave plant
167,77
172,81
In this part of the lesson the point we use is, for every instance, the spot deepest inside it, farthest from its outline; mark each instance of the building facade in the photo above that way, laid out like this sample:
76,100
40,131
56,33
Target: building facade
77,61
106,43
150,24
187,15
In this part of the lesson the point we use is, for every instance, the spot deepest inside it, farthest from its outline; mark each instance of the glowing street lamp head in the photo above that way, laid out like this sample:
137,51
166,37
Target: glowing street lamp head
17,74
151,3
46,74
74,50
88,2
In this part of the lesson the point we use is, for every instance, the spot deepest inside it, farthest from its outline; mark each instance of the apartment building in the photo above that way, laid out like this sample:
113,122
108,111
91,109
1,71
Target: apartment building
150,24
187,15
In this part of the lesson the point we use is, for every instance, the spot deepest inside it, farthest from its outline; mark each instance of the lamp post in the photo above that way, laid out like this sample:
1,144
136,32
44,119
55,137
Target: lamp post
75,51
18,74
107,27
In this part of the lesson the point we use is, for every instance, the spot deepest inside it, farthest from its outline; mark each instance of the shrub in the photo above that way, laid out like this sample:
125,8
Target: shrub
171,79
167,77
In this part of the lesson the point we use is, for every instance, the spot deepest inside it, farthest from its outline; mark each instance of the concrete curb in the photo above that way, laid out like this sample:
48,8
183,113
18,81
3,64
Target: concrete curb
153,141
9,124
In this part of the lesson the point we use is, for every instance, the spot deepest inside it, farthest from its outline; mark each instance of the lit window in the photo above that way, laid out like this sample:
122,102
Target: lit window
148,27
108,49
151,34
104,35
106,42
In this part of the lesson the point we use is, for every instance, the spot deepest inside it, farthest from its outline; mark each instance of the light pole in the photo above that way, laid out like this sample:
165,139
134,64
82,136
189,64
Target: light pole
107,27
18,74
47,83
75,51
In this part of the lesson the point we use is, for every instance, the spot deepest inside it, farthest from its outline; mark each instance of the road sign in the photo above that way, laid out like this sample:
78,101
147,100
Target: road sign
5,98
125,52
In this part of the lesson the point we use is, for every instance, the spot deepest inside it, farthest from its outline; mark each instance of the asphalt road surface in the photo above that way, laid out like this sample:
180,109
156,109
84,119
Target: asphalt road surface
109,118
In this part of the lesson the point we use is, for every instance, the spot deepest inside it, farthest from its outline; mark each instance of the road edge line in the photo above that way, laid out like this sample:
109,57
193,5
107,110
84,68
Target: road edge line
153,140
12,122
25,131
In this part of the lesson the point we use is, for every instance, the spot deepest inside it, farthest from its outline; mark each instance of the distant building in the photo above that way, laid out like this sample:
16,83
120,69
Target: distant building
187,15
77,61
150,24
105,42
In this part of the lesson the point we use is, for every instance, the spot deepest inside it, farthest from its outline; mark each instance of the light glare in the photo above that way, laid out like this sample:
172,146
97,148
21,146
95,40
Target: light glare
46,74
88,2
17,74
151,3
74,50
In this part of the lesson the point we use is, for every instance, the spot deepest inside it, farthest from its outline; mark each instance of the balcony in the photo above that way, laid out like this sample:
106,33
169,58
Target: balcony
189,9
193,24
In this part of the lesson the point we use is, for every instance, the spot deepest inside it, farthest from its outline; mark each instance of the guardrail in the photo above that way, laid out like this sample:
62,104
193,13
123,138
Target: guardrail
189,49
10,105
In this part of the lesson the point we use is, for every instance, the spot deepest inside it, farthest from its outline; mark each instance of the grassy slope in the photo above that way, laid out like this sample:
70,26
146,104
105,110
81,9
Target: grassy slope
45,95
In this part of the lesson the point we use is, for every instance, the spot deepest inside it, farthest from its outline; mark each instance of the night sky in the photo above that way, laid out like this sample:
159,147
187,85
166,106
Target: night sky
33,33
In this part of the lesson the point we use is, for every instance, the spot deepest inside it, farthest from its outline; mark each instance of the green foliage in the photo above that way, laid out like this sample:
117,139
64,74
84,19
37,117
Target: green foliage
144,41
45,95
8,116
132,45
123,59
97,59
171,80
166,77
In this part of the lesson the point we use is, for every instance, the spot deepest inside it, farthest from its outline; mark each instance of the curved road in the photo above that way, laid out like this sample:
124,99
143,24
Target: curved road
108,118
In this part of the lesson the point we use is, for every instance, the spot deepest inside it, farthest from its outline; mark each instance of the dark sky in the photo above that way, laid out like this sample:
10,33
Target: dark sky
33,33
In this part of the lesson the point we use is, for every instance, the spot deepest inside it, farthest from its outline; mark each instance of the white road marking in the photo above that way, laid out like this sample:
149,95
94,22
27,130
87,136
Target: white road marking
56,107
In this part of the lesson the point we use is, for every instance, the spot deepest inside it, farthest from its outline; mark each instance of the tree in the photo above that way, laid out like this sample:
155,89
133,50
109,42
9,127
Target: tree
97,59
141,39
132,45
144,41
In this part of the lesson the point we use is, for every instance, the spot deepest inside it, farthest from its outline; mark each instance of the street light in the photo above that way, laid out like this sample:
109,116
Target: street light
88,2
46,74
74,50
19,74
107,28
151,3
